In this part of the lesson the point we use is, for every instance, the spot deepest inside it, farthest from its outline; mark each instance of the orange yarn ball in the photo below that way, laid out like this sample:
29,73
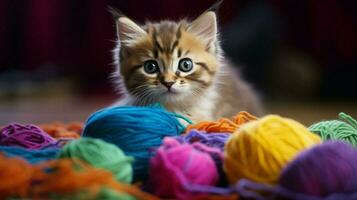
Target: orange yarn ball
223,125
60,130
15,176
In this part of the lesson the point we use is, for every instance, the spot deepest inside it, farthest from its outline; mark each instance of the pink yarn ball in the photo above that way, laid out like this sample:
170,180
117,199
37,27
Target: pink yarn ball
176,166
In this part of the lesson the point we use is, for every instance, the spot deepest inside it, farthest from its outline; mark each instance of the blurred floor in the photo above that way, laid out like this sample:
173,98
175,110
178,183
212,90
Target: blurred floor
311,112
39,111
47,110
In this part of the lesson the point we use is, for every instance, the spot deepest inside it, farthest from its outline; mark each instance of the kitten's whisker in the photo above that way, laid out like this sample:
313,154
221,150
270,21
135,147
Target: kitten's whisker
139,94
144,97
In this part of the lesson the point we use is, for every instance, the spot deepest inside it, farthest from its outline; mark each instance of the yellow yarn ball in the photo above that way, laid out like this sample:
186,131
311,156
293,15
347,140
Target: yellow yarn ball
260,149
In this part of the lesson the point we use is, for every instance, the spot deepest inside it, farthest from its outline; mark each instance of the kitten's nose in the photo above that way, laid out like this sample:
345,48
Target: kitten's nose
168,84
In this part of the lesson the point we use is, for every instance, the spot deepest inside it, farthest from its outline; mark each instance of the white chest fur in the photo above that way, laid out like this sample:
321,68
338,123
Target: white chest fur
203,107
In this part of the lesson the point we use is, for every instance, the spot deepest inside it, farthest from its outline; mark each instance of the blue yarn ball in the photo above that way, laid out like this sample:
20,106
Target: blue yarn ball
135,130
32,156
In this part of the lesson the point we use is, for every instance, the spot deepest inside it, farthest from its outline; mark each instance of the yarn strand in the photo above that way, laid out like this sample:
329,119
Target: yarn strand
348,119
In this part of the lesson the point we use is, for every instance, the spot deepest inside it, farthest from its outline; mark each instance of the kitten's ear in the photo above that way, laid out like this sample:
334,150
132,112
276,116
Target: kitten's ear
127,30
205,27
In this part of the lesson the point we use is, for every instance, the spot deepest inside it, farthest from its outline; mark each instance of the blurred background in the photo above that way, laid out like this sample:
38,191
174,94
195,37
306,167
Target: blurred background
55,56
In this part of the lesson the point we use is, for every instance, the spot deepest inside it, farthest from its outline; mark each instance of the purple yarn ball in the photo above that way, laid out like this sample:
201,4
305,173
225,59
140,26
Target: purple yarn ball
212,140
25,136
215,140
323,170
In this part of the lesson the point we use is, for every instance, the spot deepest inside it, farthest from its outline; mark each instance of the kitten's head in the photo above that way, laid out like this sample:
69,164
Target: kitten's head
167,61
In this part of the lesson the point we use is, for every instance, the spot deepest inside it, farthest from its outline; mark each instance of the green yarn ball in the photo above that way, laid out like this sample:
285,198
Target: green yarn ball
105,193
100,154
344,129
109,194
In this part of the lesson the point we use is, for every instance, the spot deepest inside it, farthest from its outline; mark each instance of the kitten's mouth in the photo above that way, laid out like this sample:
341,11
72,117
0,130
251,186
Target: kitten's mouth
171,92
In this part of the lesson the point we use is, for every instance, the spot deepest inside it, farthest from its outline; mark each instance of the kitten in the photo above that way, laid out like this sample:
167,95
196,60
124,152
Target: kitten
180,65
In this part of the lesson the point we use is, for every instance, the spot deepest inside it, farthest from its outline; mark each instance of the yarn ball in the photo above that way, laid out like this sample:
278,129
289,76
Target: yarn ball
110,194
215,140
104,193
223,125
32,156
135,130
325,172
62,179
26,136
344,129
322,170
74,179
60,130
15,176
260,149
177,166
100,154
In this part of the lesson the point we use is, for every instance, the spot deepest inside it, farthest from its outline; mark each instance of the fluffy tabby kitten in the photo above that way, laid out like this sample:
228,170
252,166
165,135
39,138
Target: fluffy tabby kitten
180,65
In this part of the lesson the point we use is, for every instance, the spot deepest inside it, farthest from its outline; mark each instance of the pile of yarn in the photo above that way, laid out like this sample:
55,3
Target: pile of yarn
324,172
129,152
61,179
29,142
86,168
135,130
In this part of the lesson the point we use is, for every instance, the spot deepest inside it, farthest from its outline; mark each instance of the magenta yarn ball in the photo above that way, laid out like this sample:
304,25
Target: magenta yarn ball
176,166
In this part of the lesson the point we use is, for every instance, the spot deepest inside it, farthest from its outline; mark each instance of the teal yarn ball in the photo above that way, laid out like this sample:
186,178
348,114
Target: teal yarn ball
100,154
136,130
344,129
33,156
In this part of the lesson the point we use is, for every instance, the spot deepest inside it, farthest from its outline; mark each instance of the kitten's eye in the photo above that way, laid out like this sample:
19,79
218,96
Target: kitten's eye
151,67
185,65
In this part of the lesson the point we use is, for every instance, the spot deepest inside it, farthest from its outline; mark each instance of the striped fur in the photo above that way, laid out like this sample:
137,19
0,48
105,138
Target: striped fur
212,89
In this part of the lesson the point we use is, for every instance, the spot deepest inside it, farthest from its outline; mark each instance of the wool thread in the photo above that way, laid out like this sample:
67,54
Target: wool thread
31,156
214,140
223,125
216,197
330,168
100,154
15,176
70,176
326,171
260,149
61,179
135,130
344,129
176,165
26,136
60,130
